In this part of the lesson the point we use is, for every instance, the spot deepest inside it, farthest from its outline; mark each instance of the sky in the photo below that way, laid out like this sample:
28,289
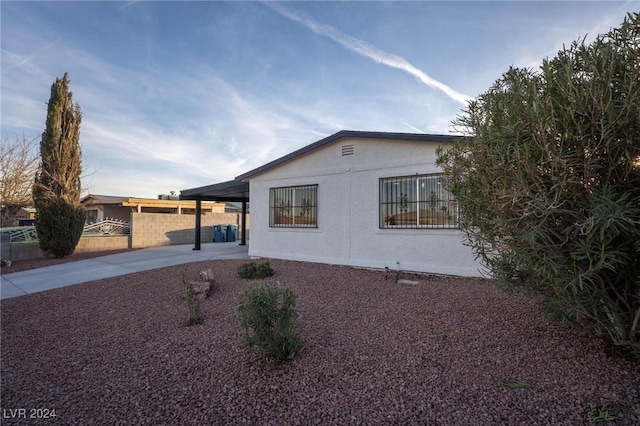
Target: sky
177,95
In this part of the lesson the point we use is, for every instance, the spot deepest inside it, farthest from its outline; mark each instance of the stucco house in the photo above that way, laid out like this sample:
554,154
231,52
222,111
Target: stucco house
366,199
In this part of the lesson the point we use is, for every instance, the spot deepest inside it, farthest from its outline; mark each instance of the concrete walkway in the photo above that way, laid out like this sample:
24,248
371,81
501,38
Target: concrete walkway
47,278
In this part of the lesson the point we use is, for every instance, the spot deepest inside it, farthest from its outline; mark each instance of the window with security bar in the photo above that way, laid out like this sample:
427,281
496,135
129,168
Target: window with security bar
418,201
294,207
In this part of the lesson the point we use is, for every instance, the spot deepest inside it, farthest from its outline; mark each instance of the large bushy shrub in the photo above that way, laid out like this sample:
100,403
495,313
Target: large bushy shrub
549,181
267,314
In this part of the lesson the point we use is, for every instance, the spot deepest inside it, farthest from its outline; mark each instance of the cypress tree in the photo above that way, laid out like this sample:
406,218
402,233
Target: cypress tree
56,190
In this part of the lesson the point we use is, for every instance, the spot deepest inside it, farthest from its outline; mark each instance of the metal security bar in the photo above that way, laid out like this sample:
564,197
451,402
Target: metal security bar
418,201
108,227
293,207
20,234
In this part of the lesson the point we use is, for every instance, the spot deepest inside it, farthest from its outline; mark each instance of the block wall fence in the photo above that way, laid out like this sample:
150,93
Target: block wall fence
147,230
153,229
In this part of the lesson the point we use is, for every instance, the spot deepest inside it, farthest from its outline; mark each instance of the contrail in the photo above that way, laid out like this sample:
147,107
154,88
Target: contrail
365,49
413,127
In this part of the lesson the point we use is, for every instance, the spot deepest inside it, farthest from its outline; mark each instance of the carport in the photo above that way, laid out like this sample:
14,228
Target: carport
231,191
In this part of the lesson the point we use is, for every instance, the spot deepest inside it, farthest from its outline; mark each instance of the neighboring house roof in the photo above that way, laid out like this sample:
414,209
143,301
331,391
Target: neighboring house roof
233,207
93,199
416,137
103,199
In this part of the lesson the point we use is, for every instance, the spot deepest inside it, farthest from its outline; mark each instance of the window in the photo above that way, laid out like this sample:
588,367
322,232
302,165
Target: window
92,216
294,207
418,201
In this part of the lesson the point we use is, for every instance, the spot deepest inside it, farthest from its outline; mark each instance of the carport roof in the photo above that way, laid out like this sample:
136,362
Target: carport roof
233,191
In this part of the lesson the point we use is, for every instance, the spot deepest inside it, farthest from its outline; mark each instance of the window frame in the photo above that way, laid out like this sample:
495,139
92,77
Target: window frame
294,206
420,202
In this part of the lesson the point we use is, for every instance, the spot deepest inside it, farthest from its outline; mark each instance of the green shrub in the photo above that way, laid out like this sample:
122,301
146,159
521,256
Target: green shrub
59,226
516,384
607,412
267,314
193,304
255,271
548,181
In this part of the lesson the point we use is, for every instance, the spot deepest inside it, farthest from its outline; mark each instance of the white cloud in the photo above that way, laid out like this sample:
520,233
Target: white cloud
552,39
151,126
365,49
213,132
414,128
143,129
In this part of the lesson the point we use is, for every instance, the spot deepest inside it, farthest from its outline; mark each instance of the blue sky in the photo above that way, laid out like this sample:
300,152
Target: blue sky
177,95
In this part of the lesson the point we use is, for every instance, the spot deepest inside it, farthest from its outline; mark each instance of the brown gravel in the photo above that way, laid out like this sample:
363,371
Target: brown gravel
117,351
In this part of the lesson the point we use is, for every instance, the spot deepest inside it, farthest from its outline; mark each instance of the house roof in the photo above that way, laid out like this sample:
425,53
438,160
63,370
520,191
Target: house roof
234,207
237,190
414,137
93,199
104,199
233,190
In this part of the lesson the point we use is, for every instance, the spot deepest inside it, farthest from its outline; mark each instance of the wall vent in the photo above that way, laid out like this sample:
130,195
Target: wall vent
347,150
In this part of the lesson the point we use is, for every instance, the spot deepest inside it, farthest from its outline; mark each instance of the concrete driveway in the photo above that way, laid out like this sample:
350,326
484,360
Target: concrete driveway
41,279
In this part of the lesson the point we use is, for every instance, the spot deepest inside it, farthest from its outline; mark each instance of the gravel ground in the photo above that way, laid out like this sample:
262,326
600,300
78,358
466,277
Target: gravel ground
117,351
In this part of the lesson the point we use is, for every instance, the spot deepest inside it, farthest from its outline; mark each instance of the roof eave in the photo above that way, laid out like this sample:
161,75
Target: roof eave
230,191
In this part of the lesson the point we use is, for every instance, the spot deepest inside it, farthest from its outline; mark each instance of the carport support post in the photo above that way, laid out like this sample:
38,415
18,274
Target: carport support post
243,239
198,222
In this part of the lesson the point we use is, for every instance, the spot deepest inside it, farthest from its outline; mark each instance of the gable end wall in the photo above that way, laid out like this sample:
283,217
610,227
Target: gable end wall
348,231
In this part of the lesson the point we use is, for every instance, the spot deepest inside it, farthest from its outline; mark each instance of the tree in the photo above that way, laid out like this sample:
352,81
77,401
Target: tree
548,179
56,191
18,165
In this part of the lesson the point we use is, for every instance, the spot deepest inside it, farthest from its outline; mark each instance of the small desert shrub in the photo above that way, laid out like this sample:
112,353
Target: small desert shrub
516,384
607,412
267,314
193,304
255,271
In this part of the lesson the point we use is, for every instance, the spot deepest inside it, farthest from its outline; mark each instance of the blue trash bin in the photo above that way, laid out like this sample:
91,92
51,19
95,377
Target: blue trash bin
231,232
219,234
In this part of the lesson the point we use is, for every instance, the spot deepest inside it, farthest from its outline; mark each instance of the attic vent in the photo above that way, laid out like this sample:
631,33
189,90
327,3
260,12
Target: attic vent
347,150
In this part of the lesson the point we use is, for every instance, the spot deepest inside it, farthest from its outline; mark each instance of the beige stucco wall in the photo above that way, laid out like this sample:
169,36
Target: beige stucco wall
102,243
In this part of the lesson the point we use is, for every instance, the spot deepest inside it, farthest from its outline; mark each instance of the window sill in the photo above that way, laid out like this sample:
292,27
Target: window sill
418,231
292,229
